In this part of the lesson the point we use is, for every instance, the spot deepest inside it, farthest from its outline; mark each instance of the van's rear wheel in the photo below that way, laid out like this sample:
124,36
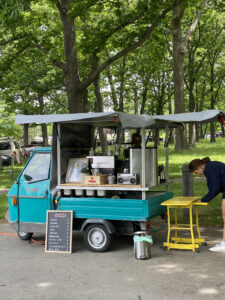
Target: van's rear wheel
97,238
24,235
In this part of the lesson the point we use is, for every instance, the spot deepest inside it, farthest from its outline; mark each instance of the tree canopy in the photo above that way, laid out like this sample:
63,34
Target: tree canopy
61,55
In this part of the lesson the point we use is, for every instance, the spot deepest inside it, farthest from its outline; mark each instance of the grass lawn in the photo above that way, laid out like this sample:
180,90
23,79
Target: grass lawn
6,181
204,148
3,206
210,215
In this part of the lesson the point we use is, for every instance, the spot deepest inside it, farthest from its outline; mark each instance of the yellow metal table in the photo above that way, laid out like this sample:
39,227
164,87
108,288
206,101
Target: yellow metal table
181,242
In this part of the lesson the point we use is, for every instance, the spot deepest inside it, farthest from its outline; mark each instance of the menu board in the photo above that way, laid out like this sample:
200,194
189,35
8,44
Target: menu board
59,228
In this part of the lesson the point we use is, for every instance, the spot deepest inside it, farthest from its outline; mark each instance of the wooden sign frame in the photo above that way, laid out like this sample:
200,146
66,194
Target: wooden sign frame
70,229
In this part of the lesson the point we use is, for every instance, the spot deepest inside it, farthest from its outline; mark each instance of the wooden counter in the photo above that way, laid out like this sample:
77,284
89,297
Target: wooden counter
106,187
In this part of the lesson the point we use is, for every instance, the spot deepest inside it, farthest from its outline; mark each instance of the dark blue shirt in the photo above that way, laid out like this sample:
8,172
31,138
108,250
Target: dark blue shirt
215,175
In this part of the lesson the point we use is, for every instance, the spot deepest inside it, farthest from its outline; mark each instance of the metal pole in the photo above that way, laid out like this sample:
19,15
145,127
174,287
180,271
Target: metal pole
143,162
58,155
167,159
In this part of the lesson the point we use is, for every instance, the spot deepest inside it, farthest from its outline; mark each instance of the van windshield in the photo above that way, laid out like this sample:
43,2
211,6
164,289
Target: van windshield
38,167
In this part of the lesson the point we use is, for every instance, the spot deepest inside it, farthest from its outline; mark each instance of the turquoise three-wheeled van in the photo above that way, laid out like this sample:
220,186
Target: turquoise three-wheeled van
99,210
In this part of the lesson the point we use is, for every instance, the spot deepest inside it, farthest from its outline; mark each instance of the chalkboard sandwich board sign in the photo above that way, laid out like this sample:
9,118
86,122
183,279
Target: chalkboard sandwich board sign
59,228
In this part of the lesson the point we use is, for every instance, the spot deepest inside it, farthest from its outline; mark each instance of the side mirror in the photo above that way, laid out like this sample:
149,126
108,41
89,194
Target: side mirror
28,177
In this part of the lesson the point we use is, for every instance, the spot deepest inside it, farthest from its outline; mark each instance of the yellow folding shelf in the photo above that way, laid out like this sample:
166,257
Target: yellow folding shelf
179,242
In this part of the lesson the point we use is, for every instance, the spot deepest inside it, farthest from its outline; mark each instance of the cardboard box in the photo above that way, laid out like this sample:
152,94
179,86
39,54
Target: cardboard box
95,179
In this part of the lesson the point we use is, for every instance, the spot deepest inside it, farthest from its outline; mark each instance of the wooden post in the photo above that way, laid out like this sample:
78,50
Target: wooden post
187,183
187,180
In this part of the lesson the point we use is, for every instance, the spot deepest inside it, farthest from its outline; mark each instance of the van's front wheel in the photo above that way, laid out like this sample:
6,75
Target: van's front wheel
97,238
24,235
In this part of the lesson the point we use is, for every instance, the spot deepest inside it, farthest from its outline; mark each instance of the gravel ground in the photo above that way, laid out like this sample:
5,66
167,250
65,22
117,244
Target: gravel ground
28,272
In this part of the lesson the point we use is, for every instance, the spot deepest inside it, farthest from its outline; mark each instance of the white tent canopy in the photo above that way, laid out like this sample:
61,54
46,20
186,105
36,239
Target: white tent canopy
124,120
104,119
193,117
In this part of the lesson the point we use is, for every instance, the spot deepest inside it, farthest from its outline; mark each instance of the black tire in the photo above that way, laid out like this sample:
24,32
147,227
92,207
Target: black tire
24,235
97,238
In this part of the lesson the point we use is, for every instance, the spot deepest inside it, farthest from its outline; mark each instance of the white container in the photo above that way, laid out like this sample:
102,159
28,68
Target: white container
111,179
67,192
101,193
79,192
90,193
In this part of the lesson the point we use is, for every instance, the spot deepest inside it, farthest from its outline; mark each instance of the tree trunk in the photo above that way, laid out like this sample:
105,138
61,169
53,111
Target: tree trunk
156,138
192,132
223,131
179,51
170,106
44,134
178,73
113,91
197,130
43,126
212,133
120,133
25,134
144,99
117,105
213,101
122,82
204,131
135,102
99,108
85,100
71,68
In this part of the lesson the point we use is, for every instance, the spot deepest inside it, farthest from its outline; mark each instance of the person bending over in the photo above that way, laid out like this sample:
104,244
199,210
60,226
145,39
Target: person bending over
214,172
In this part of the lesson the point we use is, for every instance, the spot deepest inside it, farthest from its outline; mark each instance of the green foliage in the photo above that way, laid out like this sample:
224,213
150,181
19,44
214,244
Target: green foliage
7,124
28,52
32,60
10,10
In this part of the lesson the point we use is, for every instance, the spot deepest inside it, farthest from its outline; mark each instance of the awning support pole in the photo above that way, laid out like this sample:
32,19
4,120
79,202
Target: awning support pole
167,158
58,155
143,163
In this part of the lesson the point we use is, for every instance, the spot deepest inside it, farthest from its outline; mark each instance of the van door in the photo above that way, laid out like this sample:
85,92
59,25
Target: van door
34,196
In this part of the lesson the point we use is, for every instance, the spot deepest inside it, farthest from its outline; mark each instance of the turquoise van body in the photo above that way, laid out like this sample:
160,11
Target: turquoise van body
32,192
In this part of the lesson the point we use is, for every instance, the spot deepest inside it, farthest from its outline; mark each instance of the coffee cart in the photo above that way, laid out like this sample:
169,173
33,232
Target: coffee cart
52,179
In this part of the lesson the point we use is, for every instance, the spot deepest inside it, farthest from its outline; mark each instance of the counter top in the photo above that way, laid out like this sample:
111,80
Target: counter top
109,187
184,201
